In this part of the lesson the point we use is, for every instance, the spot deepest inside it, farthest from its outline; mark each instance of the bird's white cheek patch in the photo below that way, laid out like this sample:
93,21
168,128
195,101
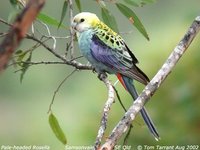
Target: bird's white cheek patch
81,27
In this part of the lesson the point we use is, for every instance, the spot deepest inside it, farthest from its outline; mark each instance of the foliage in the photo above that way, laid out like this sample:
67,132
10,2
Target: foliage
56,128
106,14
132,18
64,10
50,20
109,19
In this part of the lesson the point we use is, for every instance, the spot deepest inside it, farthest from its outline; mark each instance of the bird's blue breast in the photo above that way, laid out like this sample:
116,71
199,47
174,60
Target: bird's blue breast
84,41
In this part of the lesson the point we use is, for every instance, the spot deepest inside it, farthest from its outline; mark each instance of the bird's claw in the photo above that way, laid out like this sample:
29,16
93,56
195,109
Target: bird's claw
94,70
102,76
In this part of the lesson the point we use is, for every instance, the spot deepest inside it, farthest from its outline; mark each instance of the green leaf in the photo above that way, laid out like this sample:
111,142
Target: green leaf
109,19
131,2
78,4
56,129
101,3
133,19
18,52
149,1
16,4
13,2
49,20
138,2
25,66
12,15
64,10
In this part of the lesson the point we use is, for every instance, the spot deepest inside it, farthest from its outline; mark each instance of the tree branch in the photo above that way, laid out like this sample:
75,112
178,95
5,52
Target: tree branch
106,110
38,63
18,31
73,63
6,23
153,85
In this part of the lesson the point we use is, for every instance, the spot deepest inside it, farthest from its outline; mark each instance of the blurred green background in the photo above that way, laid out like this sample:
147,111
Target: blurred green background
78,105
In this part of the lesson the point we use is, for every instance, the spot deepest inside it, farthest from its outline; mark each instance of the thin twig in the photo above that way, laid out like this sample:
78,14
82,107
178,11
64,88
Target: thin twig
153,85
56,91
73,63
38,63
49,35
5,22
127,32
106,109
71,30
127,134
119,99
3,34
75,58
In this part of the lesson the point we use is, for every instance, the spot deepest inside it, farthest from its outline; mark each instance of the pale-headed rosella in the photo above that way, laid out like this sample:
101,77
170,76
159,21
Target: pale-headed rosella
108,53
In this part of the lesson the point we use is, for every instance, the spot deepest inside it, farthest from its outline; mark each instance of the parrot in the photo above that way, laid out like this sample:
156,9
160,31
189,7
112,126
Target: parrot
108,53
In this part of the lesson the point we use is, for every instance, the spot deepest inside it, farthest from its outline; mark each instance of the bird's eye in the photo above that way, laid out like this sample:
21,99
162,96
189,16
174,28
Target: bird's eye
82,20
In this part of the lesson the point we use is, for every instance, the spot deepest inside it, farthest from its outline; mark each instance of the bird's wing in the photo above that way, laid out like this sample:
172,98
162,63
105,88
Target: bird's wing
120,59
115,58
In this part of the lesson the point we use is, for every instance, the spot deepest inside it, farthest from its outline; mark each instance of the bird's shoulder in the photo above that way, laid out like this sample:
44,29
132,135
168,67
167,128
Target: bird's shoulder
109,38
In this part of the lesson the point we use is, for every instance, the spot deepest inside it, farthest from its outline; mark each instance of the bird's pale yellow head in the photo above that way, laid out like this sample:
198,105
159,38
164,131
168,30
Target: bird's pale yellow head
84,21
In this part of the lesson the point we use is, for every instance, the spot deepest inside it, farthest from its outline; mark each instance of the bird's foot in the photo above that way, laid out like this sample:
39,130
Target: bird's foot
102,76
94,70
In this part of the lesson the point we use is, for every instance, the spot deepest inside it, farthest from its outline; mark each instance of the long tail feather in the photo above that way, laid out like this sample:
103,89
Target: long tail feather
129,86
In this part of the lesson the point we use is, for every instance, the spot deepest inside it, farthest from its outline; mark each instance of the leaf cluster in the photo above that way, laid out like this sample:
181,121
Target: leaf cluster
128,12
